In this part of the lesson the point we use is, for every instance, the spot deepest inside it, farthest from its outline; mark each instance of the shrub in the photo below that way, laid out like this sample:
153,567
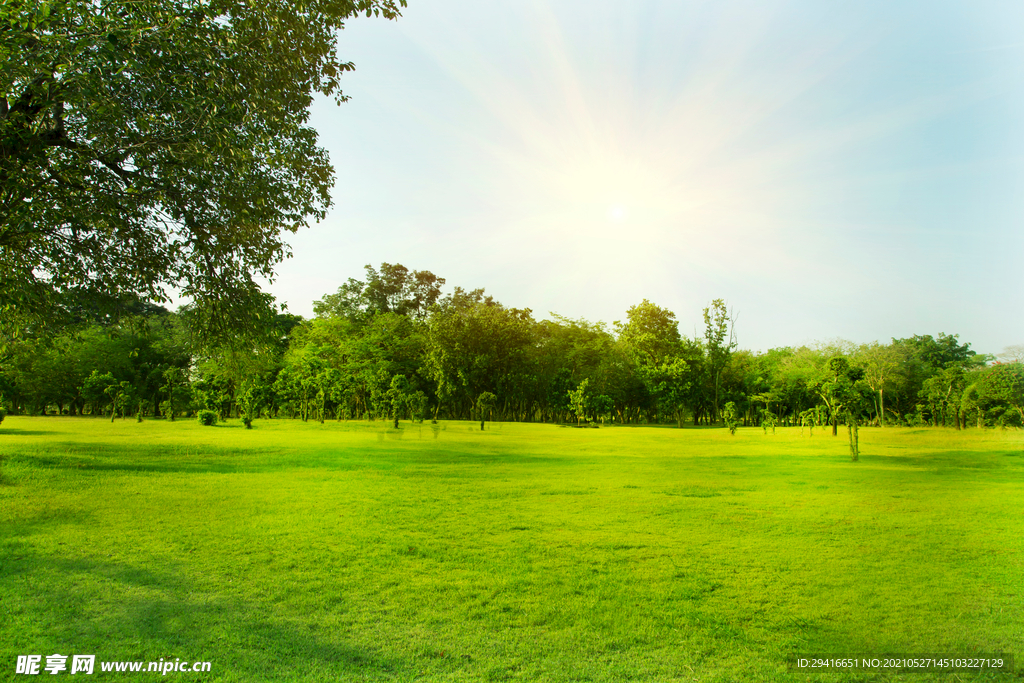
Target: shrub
730,418
247,421
3,413
207,418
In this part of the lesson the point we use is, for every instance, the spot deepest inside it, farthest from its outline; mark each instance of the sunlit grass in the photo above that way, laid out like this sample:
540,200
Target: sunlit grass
349,551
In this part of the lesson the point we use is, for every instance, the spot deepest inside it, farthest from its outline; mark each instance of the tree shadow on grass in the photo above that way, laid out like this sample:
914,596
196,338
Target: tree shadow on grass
200,459
73,455
122,611
947,462
14,431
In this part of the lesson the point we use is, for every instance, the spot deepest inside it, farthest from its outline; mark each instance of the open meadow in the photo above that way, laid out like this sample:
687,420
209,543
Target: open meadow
354,552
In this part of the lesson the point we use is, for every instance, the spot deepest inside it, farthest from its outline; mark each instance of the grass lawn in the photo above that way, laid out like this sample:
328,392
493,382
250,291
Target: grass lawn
353,552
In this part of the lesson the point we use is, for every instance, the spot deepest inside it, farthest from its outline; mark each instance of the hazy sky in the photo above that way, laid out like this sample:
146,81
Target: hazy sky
839,169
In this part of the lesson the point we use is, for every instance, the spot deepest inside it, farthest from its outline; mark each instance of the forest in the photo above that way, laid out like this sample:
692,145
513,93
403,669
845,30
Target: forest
392,347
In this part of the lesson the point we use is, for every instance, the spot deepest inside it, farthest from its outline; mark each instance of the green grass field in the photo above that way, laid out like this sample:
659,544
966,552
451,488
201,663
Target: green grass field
350,552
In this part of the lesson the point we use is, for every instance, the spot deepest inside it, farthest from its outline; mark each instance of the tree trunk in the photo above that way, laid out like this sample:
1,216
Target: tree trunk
851,426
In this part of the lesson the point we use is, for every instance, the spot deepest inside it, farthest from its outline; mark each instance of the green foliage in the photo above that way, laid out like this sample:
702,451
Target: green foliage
994,396
881,364
834,387
207,418
943,393
475,345
97,390
397,397
485,403
719,342
810,418
123,396
176,390
341,365
601,405
156,143
395,289
579,400
417,403
250,398
730,417
941,352
651,336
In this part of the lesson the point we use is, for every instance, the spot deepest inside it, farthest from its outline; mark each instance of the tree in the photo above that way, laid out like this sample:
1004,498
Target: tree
398,395
417,403
567,352
720,340
579,400
730,418
97,390
940,353
601,405
160,143
123,396
651,334
173,388
395,289
881,363
476,345
944,393
484,404
250,397
1006,383
835,388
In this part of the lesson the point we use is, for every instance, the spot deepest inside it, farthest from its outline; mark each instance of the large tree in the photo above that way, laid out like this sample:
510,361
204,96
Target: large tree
395,289
651,335
476,345
160,143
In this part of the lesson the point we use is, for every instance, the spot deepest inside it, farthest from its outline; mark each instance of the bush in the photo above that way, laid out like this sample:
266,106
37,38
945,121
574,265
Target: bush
247,421
207,418
730,417
3,414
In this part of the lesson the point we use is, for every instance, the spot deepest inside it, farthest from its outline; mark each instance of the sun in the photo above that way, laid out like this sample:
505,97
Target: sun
618,212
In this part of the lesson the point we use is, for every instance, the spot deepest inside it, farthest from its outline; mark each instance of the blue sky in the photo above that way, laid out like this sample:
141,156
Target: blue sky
849,170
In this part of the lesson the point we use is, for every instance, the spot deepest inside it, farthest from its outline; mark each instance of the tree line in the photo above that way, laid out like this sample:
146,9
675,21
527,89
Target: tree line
391,346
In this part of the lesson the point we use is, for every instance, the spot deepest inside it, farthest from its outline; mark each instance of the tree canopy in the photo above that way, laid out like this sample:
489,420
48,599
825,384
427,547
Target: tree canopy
379,355
395,289
160,143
